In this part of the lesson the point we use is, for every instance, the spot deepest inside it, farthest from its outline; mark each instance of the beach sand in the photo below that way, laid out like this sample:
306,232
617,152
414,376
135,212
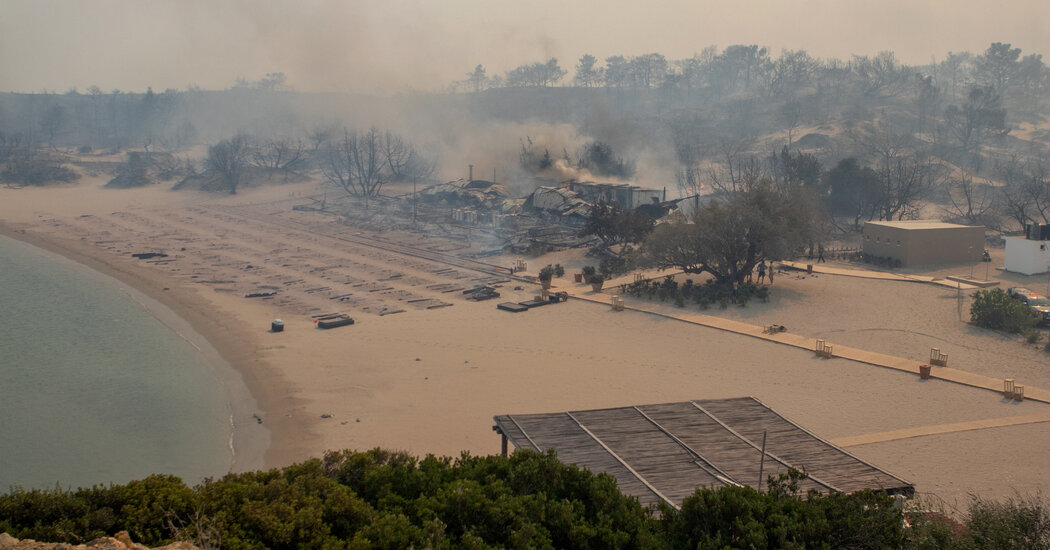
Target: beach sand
425,370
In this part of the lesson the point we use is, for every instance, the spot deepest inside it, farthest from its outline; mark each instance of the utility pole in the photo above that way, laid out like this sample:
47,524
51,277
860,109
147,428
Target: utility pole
415,200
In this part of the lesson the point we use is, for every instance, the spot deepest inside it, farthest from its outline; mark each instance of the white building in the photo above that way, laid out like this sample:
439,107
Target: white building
1026,256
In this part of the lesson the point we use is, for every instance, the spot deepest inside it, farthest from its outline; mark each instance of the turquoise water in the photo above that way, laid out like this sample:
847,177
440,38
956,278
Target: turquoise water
95,389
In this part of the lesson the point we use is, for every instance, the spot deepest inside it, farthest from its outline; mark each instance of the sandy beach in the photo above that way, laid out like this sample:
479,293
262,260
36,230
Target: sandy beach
425,370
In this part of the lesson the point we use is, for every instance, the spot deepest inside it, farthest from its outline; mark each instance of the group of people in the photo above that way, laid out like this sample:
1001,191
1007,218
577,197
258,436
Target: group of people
762,269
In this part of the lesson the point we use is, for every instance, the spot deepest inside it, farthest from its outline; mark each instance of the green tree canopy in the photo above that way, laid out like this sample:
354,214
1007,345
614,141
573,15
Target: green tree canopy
853,190
728,237
616,226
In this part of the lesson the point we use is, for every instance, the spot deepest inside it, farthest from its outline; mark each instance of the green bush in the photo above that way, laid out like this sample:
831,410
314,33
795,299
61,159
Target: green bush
704,296
741,517
1016,523
996,310
383,499
1011,524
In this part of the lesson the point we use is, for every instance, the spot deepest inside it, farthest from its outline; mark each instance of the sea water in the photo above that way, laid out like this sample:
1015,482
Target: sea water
94,389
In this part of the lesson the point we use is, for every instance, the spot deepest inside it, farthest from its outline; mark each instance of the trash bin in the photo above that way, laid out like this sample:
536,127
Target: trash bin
277,326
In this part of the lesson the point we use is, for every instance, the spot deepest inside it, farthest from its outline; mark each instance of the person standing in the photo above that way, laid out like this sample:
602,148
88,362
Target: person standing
820,254
771,271
761,271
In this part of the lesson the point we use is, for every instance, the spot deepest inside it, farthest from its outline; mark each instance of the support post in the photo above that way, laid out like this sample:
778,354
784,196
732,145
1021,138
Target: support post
503,444
762,462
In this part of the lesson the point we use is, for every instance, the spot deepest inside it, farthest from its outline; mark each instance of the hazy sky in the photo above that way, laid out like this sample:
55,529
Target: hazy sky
397,45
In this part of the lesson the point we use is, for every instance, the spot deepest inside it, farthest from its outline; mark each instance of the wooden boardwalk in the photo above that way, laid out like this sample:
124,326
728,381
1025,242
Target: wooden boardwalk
906,433
853,354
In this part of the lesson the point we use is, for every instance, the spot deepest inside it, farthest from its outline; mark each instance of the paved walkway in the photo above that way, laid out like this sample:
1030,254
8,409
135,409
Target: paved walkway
865,439
582,292
957,283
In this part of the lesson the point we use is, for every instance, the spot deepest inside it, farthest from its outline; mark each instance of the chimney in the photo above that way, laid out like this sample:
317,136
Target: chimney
471,177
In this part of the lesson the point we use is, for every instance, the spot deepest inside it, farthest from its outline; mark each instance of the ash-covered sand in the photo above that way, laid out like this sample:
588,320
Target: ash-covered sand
425,370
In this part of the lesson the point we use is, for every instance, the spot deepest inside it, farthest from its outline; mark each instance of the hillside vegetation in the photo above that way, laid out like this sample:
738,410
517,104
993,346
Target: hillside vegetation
381,499
877,139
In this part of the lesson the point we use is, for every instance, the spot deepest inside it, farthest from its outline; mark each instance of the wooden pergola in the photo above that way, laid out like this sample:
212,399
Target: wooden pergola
665,452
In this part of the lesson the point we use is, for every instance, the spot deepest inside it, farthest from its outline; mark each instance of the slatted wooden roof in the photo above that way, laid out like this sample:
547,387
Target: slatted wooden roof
664,452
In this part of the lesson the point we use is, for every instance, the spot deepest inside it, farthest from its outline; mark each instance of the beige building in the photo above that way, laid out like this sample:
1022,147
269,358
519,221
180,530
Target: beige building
924,242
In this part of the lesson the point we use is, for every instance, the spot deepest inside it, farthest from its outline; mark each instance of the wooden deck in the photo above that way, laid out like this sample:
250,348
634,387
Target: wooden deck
665,452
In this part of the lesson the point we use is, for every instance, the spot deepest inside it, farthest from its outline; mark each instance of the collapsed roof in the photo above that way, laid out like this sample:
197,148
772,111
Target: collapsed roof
470,194
559,201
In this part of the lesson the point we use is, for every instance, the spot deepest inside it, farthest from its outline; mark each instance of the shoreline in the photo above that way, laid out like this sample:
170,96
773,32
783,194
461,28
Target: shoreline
251,386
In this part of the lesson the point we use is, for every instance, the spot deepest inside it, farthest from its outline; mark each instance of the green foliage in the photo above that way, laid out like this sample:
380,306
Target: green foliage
996,310
853,190
383,499
140,507
705,295
609,267
1016,523
374,499
728,238
741,517
599,158
616,226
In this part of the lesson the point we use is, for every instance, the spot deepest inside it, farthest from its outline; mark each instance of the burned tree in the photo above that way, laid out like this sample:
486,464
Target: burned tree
283,156
906,173
969,200
227,160
981,115
1025,192
403,160
355,163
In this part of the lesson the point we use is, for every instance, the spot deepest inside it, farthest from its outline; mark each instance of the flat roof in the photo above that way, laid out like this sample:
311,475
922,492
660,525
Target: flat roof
919,224
665,452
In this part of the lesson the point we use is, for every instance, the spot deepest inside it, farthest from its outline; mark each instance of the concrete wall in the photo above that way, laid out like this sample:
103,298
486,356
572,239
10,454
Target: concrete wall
919,243
1025,256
